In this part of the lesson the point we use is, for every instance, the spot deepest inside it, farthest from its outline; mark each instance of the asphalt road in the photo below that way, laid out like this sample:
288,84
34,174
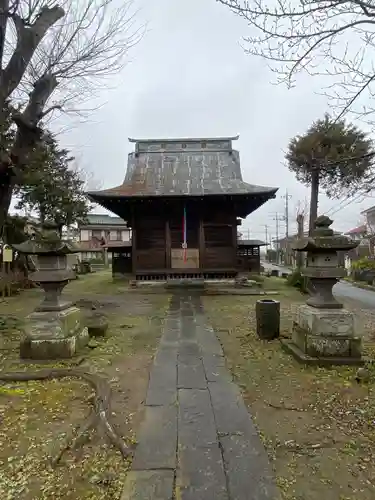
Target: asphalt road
366,298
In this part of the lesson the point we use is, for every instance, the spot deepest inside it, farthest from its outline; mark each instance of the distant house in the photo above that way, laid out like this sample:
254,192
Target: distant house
101,232
284,247
358,233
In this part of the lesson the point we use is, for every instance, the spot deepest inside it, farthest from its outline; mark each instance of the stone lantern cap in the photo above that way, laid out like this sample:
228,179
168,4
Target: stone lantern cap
46,242
323,239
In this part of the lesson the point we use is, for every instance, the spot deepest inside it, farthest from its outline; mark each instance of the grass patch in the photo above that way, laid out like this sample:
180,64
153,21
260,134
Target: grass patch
318,425
35,416
100,282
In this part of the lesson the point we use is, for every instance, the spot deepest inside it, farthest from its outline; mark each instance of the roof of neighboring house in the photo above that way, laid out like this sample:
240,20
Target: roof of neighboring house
371,209
357,230
89,246
183,167
117,244
251,243
103,220
293,237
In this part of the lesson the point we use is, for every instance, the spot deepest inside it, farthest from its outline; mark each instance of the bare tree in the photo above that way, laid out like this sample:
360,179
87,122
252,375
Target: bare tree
335,38
53,52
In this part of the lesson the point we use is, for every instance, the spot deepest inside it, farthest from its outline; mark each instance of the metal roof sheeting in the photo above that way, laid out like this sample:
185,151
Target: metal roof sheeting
158,172
103,220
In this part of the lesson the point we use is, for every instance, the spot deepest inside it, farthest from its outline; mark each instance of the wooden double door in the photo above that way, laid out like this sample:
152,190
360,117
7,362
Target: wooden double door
177,253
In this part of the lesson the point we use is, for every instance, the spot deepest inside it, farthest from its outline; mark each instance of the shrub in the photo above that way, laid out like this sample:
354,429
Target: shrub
298,281
365,264
256,277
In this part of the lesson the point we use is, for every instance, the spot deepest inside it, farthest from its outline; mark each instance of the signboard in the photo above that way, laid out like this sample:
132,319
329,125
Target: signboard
181,261
7,254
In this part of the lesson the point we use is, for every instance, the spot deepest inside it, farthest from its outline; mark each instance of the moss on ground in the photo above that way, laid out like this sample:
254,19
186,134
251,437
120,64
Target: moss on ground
36,416
318,425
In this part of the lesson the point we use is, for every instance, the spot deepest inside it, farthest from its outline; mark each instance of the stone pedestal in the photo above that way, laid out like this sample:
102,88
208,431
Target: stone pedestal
54,334
324,337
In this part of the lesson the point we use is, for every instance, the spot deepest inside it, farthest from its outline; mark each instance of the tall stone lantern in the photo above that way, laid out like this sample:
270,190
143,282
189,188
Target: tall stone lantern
323,331
54,330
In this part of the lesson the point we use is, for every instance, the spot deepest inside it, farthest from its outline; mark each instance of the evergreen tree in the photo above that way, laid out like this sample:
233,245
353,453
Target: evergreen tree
51,187
332,155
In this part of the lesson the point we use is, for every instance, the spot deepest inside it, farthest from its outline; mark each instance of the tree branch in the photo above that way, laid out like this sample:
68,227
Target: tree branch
335,38
28,39
4,6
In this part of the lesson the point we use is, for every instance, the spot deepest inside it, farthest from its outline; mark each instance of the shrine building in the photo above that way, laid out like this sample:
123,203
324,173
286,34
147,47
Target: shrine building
183,200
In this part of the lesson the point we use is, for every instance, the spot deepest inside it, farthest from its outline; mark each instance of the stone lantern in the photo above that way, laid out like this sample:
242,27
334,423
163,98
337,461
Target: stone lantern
54,329
323,331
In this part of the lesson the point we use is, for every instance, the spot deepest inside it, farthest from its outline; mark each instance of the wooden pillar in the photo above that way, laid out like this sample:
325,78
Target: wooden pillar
134,243
234,242
168,245
202,245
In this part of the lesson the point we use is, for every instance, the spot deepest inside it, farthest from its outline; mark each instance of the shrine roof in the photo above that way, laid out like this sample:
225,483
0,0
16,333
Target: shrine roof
183,167
251,243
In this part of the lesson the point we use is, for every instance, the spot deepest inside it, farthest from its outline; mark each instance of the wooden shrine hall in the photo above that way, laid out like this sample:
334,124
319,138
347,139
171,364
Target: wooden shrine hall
183,199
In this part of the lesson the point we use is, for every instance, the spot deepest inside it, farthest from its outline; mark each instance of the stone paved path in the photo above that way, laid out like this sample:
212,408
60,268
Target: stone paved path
197,441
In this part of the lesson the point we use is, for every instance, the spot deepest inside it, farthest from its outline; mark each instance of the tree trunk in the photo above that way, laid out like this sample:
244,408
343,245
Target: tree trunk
314,200
28,133
6,191
27,40
300,223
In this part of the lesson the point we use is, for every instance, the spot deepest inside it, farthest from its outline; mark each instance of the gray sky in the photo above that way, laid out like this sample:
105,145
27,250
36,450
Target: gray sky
189,76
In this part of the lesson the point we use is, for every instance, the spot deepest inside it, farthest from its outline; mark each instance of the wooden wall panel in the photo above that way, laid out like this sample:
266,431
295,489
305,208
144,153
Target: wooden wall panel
220,257
151,259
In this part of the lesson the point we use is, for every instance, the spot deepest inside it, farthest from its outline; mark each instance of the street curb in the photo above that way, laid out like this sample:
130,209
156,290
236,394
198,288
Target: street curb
363,286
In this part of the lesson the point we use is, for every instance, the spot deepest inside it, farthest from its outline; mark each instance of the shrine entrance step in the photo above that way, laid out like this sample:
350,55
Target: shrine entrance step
185,283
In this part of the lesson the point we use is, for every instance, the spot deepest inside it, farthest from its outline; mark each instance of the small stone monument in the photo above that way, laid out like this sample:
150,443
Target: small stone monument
54,330
324,332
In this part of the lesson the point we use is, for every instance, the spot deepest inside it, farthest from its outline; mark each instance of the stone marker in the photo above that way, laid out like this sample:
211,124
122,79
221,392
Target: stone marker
324,332
54,330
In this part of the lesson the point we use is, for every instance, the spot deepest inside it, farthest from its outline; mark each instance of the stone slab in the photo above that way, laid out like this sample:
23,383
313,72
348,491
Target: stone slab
191,376
46,325
162,387
248,470
188,349
231,415
166,354
290,347
325,321
171,332
209,341
149,485
200,475
53,348
187,329
196,423
157,439
215,368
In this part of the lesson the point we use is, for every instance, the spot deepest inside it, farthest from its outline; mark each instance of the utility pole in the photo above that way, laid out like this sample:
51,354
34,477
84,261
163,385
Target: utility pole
300,224
266,228
287,247
287,197
277,219
277,238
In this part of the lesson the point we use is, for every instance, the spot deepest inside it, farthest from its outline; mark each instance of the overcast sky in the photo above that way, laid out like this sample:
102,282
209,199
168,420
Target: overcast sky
190,77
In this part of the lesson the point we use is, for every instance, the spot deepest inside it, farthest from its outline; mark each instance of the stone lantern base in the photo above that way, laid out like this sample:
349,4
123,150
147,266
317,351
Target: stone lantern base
53,334
324,337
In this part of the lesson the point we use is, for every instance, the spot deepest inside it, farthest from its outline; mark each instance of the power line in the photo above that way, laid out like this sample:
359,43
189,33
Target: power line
338,207
347,204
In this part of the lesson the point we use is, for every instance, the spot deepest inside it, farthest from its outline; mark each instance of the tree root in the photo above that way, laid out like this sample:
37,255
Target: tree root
98,415
285,407
77,438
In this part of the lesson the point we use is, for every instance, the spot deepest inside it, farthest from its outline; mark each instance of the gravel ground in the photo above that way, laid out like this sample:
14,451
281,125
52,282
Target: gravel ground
365,318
